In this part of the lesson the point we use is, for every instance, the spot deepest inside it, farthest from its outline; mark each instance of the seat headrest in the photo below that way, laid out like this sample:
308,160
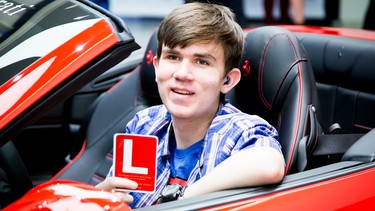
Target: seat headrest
270,53
147,72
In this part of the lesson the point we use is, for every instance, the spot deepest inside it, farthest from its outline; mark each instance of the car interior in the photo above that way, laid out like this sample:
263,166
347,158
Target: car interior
344,76
315,89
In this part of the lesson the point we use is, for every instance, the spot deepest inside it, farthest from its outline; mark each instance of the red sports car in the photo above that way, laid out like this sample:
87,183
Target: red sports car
71,76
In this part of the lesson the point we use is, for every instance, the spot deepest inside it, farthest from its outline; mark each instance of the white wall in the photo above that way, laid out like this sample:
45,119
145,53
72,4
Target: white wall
145,8
352,13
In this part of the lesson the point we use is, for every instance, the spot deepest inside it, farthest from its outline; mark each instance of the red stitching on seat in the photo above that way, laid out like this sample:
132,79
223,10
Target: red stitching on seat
71,162
362,127
267,104
98,177
109,156
127,76
298,118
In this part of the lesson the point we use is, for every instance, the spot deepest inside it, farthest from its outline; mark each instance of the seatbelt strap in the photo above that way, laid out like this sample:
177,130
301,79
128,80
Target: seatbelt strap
302,155
307,142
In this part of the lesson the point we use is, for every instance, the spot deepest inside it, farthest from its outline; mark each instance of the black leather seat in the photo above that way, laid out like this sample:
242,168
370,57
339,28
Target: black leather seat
278,84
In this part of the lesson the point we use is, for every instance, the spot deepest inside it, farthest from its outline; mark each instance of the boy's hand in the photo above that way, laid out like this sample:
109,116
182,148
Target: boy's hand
111,183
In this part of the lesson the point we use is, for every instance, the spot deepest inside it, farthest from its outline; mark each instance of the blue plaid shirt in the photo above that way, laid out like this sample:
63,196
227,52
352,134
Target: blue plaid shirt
230,132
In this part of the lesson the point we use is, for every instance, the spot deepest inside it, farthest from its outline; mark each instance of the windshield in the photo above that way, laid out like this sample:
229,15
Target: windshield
24,26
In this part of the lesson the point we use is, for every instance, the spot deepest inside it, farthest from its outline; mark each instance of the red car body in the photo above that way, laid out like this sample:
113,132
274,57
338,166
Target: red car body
43,72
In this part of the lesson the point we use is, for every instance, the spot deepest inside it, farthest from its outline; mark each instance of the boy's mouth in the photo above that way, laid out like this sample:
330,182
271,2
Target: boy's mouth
182,92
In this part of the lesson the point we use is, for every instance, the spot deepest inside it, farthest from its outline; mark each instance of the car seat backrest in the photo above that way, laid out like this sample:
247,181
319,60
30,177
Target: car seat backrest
147,77
343,68
109,115
278,84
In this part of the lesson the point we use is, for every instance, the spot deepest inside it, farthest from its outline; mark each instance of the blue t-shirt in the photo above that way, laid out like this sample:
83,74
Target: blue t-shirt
183,161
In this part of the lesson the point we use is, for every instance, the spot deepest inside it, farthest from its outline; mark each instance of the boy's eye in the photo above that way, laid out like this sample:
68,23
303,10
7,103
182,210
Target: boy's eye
172,57
202,62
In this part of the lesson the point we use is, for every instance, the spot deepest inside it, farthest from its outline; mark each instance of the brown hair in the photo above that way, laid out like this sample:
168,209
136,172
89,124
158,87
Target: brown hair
203,22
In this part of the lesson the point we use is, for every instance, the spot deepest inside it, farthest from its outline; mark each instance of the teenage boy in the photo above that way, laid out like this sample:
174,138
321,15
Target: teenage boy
205,144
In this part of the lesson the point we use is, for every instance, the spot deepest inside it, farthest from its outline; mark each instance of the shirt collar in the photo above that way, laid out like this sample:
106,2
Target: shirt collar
165,145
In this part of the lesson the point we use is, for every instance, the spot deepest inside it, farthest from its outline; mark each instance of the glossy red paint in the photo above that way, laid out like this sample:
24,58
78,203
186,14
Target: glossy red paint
334,31
50,70
68,195
342,32
350,192
328,194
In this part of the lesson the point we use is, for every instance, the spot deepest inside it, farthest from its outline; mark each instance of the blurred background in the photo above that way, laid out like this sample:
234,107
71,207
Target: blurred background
143,16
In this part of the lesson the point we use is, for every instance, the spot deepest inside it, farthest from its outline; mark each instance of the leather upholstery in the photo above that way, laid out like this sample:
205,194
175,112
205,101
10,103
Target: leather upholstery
343,69
278,84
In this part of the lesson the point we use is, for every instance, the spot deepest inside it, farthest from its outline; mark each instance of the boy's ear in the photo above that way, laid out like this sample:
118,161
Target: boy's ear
231,80
155,62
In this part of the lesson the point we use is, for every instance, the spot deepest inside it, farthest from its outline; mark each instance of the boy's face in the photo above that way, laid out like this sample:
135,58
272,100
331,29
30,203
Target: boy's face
190,80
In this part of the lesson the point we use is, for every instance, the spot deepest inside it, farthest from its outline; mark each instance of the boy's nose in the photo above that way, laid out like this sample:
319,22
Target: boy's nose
183,71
